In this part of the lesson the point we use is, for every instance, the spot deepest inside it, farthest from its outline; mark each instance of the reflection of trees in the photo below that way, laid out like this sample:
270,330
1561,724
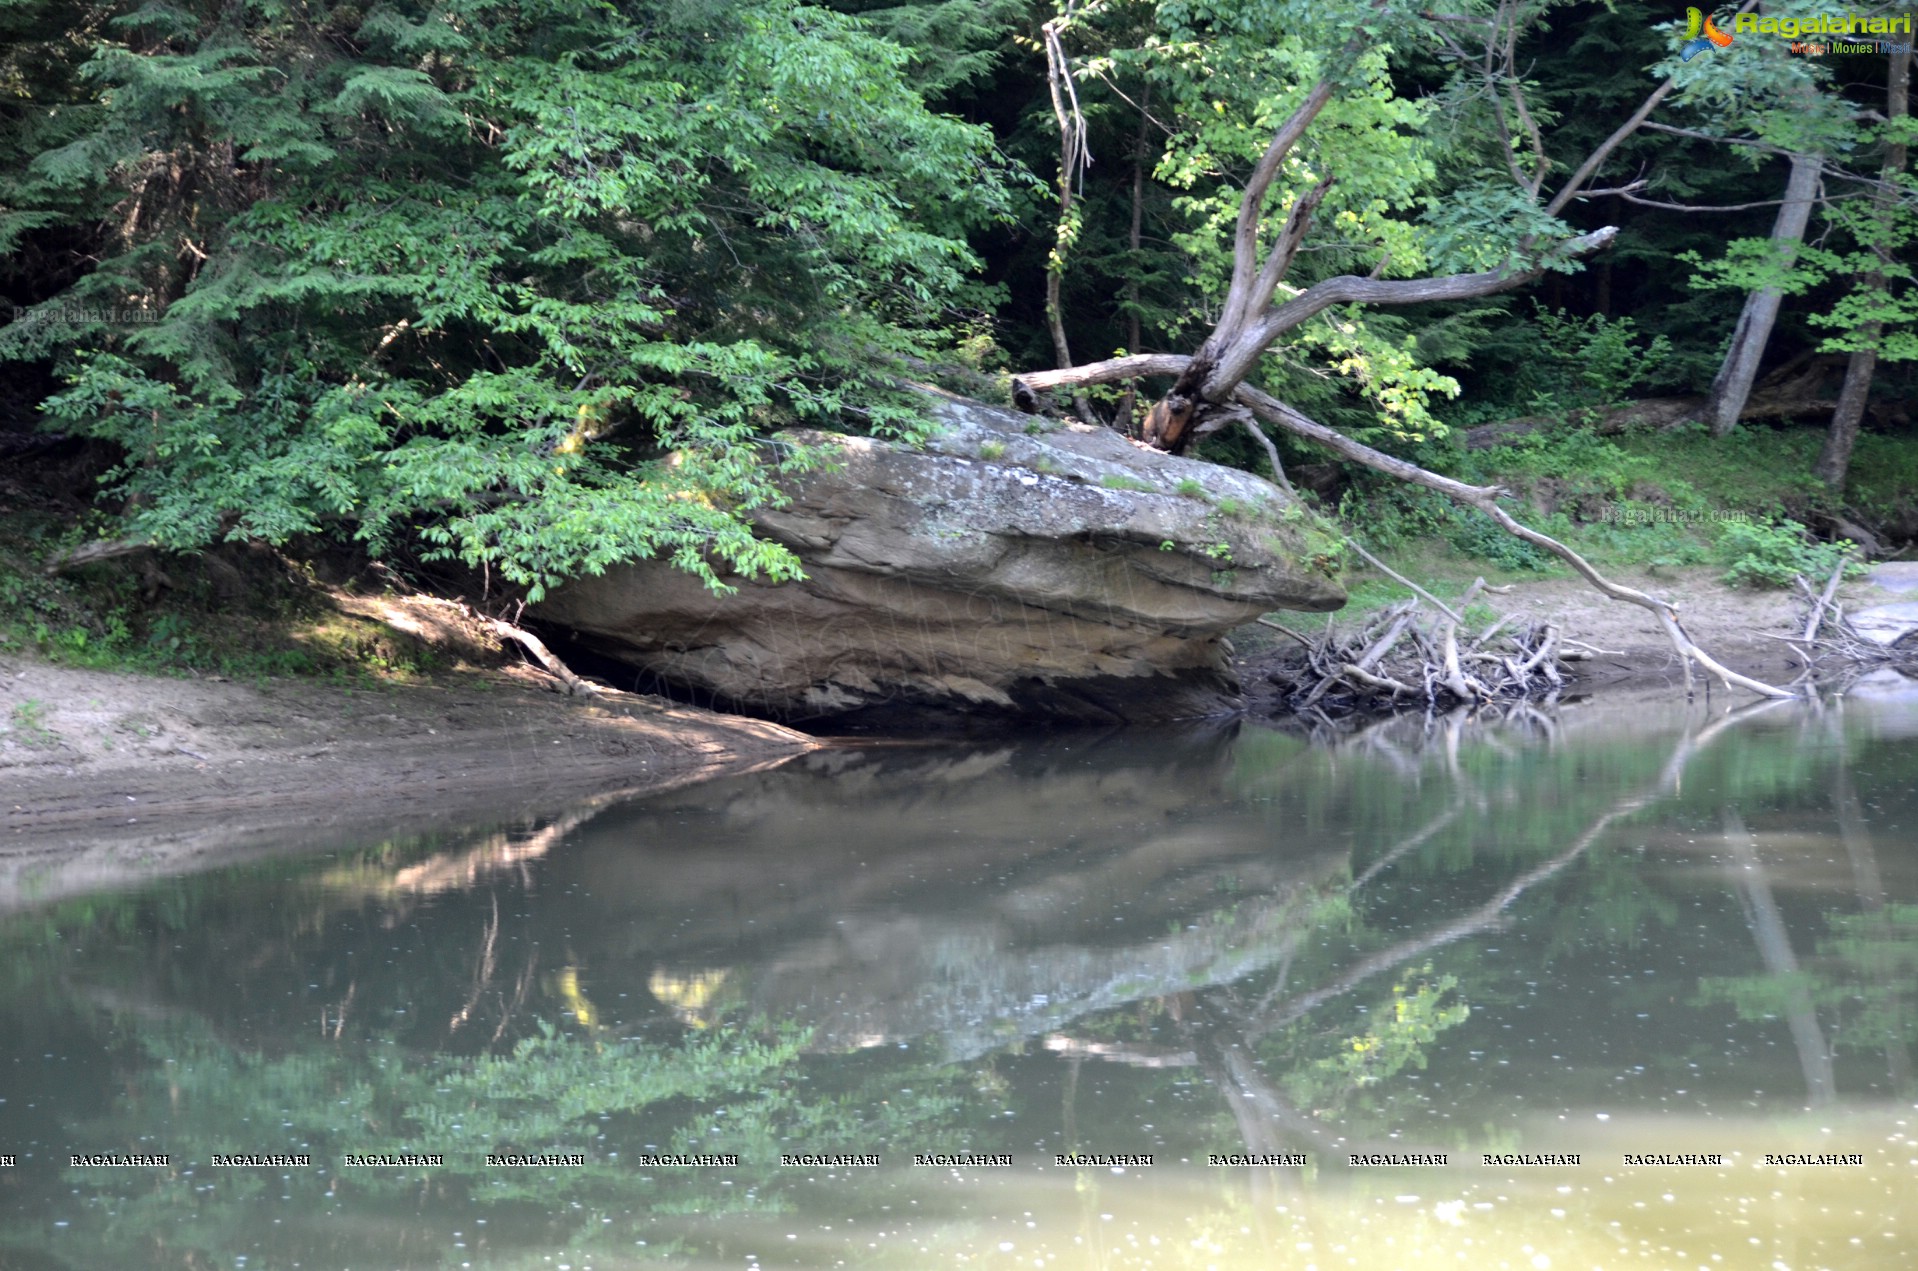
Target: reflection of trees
904,895
1774,949
1877,949
1240,1039
749,1091
1865,972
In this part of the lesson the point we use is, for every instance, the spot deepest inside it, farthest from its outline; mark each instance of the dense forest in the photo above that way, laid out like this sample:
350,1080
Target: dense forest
536,285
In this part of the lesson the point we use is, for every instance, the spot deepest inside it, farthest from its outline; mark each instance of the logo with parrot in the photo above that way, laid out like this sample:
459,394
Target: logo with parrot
1701,33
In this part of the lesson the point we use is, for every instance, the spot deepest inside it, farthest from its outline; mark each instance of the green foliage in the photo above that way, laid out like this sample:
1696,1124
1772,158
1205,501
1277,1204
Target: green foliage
1477,534
1772,553
103,616
1399,1033
1120,481
535,288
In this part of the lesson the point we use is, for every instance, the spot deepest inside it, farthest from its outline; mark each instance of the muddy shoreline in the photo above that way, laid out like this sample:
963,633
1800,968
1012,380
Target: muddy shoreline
109,779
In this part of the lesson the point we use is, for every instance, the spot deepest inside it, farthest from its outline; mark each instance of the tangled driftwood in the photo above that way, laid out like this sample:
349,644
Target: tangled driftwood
1835,652
1400,657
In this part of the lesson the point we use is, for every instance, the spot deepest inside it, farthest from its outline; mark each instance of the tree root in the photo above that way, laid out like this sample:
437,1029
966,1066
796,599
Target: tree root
574,685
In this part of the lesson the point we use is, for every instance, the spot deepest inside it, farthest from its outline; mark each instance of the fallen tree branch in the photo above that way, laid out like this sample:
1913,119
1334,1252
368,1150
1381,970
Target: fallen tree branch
91,553
1396,576
575,686
1485,499
1107,372
1481,498
1271,454
1817,618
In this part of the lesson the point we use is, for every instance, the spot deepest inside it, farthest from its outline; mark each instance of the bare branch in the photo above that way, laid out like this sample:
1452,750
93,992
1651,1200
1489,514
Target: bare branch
1118,368
1236,362
1074,157
1631,187
1817,617
1398,577
1245,238
1696,135
1689,207
1596,159
1287,246
1485,499
1271,454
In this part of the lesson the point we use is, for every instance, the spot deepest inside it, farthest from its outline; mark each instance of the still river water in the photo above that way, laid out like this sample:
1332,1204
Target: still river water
1618,929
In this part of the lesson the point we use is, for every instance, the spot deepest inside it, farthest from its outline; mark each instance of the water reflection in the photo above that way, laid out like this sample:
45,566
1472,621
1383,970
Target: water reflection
1613,929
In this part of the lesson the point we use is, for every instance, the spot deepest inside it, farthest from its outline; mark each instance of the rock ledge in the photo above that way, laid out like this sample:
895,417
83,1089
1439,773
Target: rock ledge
1062,573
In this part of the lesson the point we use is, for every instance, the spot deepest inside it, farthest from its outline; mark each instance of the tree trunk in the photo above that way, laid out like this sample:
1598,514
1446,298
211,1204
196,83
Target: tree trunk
1740,370
1835,460
1073,158
1134,240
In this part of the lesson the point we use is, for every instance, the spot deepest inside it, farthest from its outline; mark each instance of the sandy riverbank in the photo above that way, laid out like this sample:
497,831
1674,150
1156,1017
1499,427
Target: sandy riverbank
107,779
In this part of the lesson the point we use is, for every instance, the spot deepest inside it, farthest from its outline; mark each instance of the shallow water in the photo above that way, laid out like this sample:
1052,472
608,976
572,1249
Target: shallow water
1622,929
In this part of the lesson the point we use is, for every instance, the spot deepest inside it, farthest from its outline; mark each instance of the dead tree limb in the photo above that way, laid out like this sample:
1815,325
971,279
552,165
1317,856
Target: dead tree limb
94,552
1817,617
575,686
1482,498
1485,499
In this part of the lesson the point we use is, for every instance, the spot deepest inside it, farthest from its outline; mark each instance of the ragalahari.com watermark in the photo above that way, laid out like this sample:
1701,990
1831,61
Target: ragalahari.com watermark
84,317
1651,514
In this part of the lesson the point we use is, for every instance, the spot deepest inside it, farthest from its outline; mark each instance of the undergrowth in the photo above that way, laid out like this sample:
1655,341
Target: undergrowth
1650,500
259,618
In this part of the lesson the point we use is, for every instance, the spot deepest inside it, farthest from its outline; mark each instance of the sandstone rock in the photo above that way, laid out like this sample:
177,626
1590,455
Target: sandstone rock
1893,624
1062,573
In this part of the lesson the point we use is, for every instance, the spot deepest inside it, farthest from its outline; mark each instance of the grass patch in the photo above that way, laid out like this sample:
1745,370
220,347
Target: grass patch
1190,489
1649,500
27,725
1119,481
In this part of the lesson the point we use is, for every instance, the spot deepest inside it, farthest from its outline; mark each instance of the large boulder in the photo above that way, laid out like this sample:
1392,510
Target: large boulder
1010,565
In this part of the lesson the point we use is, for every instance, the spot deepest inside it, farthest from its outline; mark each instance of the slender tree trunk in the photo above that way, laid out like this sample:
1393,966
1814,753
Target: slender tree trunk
1740,369
1134,240
1073,158
1835,461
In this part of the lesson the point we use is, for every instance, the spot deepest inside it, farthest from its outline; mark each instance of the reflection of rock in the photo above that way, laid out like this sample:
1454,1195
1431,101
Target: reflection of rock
1063,574
904,895
966,984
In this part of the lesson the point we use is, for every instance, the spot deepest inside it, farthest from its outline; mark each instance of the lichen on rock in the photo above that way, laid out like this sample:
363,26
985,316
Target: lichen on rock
1067,574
